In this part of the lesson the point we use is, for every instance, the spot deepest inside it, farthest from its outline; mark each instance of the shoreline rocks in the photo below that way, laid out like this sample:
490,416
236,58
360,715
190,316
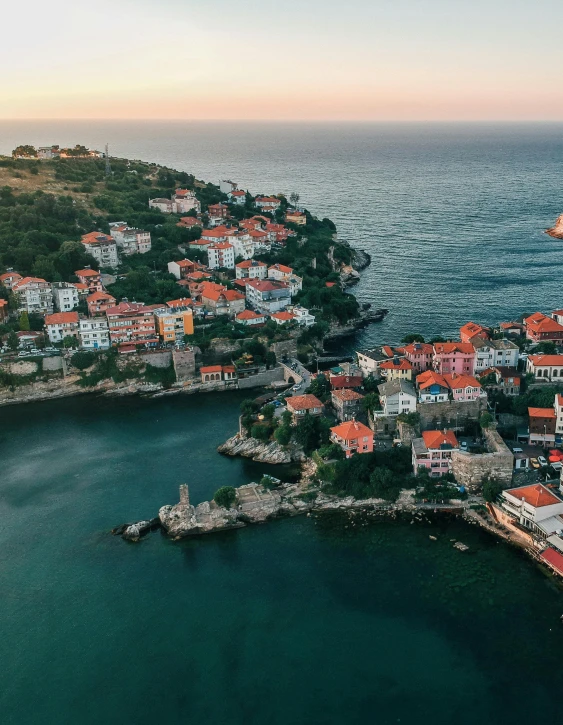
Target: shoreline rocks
260,451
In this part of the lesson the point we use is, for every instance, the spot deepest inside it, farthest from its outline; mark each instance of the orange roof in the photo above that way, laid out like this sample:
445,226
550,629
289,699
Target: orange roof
237,192
266,285
95,237
303,402
284,316
87,273
509,325
184,302
433,439
456,381
250,263
351,429
221,245
471,329
536,495
425,380
232,295
96,296
542,323
3,303
347,394
547,360
186,221
401,364
229,369
211,369
80,286
449,347
417,348
268,200
27,280
541,412
8,275
249,315
281,268
60,318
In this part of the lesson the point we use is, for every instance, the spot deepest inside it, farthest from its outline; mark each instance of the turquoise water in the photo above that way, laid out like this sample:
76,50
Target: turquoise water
334,619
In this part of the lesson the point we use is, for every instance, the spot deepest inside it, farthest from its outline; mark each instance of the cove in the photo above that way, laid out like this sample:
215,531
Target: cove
329,619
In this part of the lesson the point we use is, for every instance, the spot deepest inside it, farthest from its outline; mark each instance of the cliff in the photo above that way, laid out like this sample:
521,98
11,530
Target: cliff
556,230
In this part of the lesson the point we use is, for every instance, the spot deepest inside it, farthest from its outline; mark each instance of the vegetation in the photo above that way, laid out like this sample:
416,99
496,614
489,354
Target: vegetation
486,420
491,489
225,496
83,359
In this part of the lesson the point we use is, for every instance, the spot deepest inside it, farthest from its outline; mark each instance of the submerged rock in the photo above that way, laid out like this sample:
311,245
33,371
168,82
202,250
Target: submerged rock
557,229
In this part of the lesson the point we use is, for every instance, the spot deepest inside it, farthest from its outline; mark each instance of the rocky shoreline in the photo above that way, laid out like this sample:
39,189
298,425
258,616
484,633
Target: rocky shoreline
260,451
556,231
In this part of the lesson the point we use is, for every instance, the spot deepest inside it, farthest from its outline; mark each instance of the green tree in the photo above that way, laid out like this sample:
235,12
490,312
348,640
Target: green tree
412,337
306,432
25,150
13,341
70,341
491,489
486,420
24,322
225,496
371,402
283,435
384,484
83,359
268,411
546,347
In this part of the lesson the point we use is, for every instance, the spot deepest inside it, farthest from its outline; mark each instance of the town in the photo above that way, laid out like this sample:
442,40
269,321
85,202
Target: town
480,416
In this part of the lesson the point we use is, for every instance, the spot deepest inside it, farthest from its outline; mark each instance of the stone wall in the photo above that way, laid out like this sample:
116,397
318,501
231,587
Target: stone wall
451,413
52,363
285,347
383,425
184,364
160,359
261,379
470,469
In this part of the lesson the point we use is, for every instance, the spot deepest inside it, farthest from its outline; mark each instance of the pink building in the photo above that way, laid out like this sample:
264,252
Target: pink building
434,451
464,387
420,355
454,357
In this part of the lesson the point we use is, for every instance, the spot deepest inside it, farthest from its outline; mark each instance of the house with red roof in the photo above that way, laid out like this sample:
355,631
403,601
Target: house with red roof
464,387
541,327
250,318
282,318
433,451
182,268
541,425
545,367
61,325
471,330
217,213
534,508
251,269
132,324
280,272
34,294
353,437
420,355
102,247
301,405
342,382
347,404
187,222
237,196
454,357
220,300
267,295
396,369
267,203
8,279
99,302
432,387
292,216
90,277
221,256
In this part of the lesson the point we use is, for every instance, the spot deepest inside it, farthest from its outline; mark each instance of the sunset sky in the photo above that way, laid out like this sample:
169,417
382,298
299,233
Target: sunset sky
260,59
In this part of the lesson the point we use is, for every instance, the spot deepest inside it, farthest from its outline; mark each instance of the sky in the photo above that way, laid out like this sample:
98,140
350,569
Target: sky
285,60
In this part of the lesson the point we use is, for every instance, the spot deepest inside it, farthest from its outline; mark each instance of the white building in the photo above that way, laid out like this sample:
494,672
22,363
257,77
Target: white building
227,186
251,269
396,397
265,295
221,256
535,508
61,325
94,333
65,296
494,353
243,244
303,316
102,247
267,203
370,360
184,201
130,240
238,196
34,295
280,272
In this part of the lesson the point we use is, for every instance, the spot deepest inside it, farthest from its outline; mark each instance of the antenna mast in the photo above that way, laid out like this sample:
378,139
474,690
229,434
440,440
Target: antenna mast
108,165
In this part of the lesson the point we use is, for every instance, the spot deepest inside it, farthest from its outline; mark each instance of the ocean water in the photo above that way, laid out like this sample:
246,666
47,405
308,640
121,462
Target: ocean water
452,214
332,619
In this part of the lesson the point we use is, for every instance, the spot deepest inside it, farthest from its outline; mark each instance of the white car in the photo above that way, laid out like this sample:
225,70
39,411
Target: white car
542,461
23,353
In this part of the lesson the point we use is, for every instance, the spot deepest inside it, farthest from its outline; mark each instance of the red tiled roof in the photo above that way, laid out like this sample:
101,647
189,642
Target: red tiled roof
401,364
456,381
211,369
266,285
249,315
535,495
351,429
541,412
433,439
303,402
250,263
450,347
347,394
553,558
419,348
547,360
27,280
87,273
429,378
284,316
346,381
183,302
538,322
98,296
60,318
281,268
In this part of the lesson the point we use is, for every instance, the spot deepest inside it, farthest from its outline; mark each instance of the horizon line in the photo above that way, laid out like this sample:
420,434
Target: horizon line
287,120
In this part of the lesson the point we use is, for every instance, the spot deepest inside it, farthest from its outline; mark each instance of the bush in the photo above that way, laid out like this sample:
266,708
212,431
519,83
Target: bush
225,496
82,360
491,490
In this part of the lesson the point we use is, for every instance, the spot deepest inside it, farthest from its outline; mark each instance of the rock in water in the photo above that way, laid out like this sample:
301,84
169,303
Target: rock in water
259,451
557,229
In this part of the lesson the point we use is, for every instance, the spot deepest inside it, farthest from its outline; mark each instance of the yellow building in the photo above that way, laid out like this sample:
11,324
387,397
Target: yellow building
172,325
296,217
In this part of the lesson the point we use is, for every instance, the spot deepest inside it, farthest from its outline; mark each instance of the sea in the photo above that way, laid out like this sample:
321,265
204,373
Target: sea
333,619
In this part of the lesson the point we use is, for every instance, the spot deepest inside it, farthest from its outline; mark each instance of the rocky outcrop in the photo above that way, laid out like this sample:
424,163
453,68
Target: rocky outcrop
360,259
259,451
254,504
348,275
556,230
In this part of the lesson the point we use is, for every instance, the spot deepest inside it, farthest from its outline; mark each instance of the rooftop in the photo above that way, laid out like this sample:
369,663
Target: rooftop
351,429
536,495
303,402
436,439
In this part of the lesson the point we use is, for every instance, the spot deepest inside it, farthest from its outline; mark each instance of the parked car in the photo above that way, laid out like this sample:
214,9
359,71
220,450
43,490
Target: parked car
51,349
557,465
534,463
542,461
23,353
463,445
296,387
